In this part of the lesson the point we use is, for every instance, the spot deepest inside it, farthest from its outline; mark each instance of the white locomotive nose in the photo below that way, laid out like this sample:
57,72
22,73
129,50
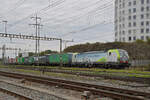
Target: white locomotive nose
112,57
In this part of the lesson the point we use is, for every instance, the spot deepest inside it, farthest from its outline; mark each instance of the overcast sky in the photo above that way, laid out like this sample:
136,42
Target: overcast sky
80,20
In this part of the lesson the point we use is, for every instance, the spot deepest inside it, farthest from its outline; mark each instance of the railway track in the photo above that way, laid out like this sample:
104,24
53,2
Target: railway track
121,78
115,93
18,96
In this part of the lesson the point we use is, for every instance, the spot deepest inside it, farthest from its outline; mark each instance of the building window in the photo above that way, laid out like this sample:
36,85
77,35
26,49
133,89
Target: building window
116,34
142,8
147,15
134,31
120,12
147,37
147,8
123,32
134,3
120,26
116,8
134,24
123,25
123,5
120,6
116,1
123,19
129,4
129,24
119,19
134,10
129,10
142,1
123,12
142,37
129,18
142,30
120,33
130,38
129,31
142,23
134,38
119,39
147,30
147,23
142,16
134,17
116,28
123,39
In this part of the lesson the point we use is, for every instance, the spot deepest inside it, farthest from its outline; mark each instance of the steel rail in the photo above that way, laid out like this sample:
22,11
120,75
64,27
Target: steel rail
72,72
115,93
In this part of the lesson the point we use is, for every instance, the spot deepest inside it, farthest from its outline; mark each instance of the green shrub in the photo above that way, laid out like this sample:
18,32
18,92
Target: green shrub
148,41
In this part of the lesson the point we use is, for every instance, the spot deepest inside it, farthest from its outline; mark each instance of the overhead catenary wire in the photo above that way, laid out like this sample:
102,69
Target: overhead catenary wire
102,37
89,26
72,18
69,7
25,18
31,14
67,23
16,5
83,13
83,29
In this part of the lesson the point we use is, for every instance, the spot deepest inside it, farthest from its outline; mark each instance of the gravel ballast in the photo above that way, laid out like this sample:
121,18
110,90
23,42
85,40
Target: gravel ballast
4,96
97,81
29,92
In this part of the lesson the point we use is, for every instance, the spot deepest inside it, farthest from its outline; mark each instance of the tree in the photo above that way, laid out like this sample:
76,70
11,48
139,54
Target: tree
139,41
20,54
47,52
148,41
31,54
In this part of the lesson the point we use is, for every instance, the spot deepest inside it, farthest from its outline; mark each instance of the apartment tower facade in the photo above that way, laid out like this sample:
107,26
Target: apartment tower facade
132,20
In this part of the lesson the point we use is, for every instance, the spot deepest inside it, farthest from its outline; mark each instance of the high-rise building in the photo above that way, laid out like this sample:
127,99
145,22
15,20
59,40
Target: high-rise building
132,20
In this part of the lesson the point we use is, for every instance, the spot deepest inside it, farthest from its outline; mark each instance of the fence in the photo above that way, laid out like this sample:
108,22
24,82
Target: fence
140,62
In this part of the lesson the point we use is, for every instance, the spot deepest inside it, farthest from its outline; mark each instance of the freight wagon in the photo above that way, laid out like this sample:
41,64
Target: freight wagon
56,59
113,58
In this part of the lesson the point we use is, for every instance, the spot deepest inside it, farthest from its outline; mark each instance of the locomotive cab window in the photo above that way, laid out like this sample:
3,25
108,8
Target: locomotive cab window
109,53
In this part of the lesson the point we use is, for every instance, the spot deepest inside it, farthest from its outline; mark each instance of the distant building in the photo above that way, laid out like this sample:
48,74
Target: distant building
132,20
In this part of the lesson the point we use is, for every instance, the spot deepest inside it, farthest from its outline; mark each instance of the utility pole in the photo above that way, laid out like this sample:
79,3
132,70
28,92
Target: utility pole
5,23
61,41
3,53
38,42
19,52
37,25
61,63
15,52
61,45
66,41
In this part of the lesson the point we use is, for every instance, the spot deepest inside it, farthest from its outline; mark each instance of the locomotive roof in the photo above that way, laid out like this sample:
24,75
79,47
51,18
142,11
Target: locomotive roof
95,52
